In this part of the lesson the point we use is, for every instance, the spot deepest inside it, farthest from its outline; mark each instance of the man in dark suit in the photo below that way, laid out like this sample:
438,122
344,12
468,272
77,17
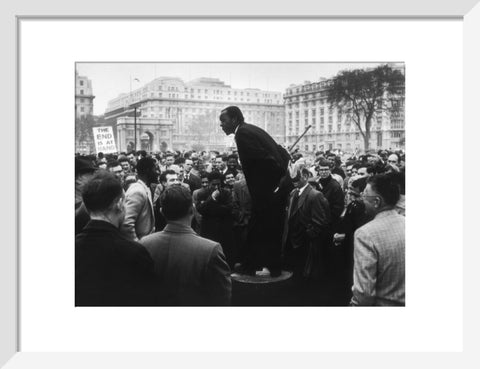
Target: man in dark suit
307,229
191,269
110,270
190,178
84,170
242,211
264,163
215,205
331,189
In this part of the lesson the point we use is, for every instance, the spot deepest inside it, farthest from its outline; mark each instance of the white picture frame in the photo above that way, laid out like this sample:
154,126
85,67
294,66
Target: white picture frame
13,13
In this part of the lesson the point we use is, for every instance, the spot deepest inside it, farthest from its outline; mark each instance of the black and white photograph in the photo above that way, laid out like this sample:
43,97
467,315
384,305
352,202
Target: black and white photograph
240,184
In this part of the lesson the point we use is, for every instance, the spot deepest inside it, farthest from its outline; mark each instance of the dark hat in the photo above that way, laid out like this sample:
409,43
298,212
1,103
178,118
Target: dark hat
83,165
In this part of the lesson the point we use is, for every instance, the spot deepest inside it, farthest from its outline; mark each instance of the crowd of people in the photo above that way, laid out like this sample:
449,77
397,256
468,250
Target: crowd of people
170,228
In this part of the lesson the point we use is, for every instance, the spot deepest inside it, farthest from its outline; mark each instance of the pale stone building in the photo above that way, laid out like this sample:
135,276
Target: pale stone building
306,104
187,113
83,96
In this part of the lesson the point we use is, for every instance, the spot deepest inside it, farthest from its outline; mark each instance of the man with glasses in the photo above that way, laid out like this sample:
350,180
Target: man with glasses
379,248
331,189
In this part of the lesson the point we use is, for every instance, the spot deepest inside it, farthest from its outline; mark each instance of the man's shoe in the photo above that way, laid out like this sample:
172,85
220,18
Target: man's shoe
263,273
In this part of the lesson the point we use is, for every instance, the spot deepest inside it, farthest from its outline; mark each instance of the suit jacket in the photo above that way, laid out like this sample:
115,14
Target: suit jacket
111,270
190,270
332,191
139,219
194,181
379,261
264,162
309,221
242,204
217,219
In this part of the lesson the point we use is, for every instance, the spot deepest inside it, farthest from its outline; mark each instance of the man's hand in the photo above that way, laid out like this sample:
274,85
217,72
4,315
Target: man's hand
215,195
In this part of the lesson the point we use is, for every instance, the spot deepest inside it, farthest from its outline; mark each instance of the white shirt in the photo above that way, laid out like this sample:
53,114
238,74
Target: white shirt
301,190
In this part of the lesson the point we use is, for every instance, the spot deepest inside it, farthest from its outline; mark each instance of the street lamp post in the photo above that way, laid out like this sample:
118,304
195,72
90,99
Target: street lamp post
134,114
135,128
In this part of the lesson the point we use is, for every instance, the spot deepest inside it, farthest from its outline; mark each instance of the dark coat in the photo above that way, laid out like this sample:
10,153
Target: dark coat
242,204
307,227
333,192
309,221
111,270
81,218
194,181
217,219
356,215
264,162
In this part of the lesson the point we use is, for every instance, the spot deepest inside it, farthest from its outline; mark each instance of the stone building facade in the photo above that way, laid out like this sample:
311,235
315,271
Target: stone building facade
83,96
306,104
192,110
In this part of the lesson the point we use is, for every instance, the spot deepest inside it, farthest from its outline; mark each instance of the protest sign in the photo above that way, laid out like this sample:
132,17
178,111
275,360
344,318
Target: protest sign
104,140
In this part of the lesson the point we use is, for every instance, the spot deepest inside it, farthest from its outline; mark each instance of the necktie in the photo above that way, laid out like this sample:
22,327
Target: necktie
295,201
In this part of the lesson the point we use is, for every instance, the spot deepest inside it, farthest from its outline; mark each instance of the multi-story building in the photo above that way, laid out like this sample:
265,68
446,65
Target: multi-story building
182,114
83,96
306,104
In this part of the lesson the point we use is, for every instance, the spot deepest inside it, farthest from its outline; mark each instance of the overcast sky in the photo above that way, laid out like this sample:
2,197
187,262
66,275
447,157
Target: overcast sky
111,79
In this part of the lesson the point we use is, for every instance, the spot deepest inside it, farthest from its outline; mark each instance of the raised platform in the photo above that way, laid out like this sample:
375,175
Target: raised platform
261,289
260,277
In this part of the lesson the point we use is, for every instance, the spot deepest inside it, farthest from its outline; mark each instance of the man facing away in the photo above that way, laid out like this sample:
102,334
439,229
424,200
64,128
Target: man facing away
139,215
109,269
379,248
190,270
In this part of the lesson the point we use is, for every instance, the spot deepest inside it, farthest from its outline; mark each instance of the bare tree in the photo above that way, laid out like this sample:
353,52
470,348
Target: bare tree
360,93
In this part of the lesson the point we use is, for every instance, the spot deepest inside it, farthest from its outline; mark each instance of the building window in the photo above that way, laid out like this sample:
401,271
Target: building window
81,92
81,83
82,109
82,100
